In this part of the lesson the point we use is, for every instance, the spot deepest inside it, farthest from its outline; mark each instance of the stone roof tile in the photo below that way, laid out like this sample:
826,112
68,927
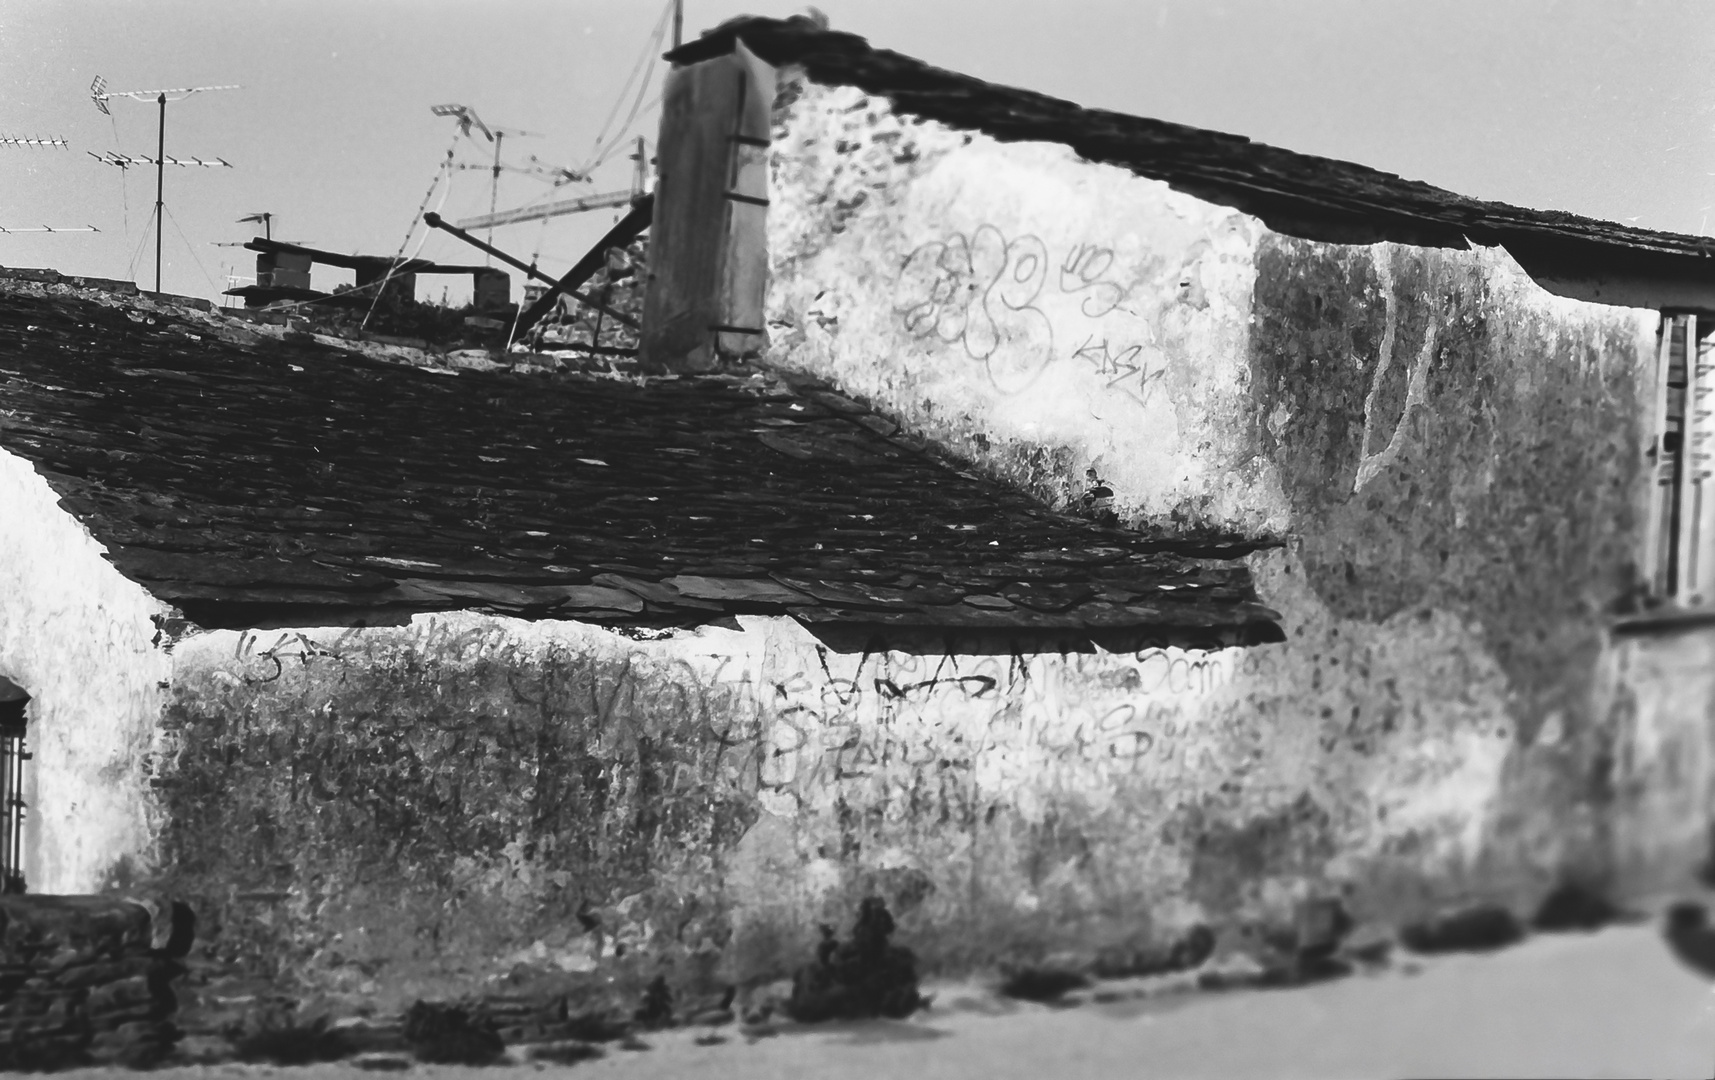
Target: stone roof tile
287,483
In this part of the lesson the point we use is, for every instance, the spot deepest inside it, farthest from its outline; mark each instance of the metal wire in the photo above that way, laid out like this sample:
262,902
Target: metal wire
654,43
192,250
444,170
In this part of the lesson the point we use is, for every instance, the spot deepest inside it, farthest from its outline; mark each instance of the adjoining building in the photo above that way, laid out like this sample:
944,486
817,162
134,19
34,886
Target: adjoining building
283,273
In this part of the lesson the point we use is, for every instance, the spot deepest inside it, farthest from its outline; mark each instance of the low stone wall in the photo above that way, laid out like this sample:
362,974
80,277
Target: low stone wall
88,979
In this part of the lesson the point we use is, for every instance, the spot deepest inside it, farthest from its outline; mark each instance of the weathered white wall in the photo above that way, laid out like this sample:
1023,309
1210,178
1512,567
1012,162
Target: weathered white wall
713,796
78,637
1023,306
1450,454
1664,713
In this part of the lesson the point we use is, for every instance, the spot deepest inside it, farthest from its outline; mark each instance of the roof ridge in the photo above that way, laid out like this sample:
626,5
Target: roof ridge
1355,198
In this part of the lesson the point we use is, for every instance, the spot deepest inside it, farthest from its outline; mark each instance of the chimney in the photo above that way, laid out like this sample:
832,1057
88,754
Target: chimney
708,242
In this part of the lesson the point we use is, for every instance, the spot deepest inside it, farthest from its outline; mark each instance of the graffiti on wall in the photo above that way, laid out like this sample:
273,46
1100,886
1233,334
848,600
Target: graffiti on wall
1002,301
914,731
806,723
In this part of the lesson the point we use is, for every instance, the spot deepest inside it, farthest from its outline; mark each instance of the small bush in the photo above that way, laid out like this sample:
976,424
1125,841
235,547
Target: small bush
451,1035
1574,907
1480,928
863,978
1041,984
656,1011
294,1044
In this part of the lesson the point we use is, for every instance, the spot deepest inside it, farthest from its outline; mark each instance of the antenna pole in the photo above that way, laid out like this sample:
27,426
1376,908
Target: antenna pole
639,175
160,182
494,191
678,21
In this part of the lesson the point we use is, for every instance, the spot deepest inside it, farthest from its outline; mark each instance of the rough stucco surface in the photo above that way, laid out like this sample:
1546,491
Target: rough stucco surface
1035,312
1664,757
1450,455
80,639
424,809
414,809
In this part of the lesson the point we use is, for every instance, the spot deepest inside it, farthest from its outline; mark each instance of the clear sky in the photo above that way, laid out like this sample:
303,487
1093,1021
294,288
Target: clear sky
1601,107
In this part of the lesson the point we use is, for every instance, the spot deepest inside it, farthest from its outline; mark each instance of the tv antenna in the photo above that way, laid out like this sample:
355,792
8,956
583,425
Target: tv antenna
467,119
495,134
265,218
125,161
99,94
556,175
50,228
543,211
13,140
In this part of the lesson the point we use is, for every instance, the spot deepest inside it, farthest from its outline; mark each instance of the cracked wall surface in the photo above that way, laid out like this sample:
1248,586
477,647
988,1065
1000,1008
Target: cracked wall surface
1450,456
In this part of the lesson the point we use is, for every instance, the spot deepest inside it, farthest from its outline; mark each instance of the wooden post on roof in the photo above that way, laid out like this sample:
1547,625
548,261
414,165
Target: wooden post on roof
618,236
708,245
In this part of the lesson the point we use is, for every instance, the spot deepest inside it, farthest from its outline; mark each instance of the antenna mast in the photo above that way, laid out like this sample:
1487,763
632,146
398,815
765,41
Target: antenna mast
467,119
99,94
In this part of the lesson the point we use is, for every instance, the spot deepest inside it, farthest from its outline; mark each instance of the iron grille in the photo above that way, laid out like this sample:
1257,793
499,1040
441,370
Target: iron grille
12,758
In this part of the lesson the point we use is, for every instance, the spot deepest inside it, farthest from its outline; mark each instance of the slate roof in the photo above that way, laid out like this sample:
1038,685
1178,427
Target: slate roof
1298,194
291,484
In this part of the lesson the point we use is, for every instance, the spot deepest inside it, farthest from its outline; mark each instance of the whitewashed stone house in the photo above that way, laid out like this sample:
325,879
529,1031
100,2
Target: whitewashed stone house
1117,527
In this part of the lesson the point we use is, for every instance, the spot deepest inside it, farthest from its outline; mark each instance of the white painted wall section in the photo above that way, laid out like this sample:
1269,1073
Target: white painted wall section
77,635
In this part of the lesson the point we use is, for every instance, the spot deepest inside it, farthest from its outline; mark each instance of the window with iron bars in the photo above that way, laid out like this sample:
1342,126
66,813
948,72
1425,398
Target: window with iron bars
12,758
1679,565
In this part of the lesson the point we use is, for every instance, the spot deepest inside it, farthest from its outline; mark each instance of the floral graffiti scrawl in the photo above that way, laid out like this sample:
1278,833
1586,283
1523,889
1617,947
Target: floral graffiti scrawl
988,294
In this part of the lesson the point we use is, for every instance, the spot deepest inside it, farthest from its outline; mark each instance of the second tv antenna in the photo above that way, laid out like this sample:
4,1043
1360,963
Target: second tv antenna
99,94
467,119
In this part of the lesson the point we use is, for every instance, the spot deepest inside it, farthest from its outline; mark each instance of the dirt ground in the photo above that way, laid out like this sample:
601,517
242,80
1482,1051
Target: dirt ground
1612,1003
